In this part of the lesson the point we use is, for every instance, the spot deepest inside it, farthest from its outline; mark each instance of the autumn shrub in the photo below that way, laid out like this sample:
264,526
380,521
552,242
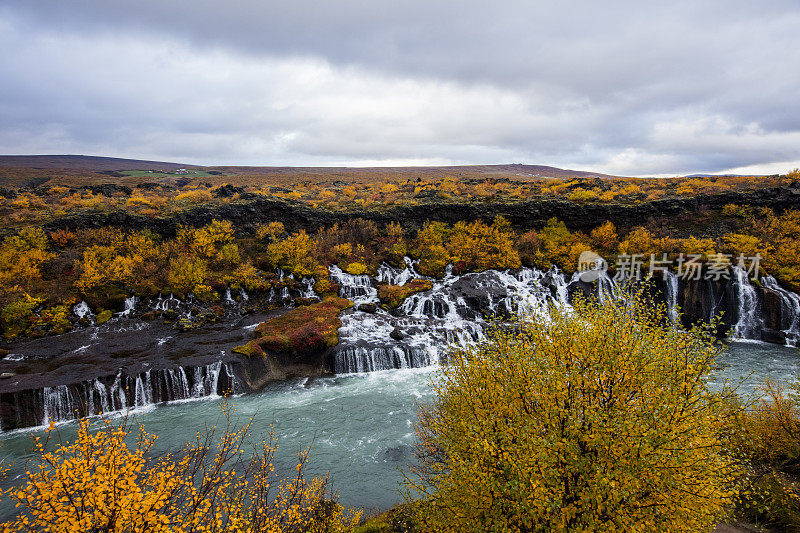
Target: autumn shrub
293,254
107,480
186,273
21,257
780,243
769,432
583,195
194,196
599,419
767,436
16,314
355,268
470,246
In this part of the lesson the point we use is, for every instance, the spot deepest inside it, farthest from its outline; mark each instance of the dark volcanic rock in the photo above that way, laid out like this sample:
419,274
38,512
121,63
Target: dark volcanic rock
245,214
368,308
772,308
227,191
396,334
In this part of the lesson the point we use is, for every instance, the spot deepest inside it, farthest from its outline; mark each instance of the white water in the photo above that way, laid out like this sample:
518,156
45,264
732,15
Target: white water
356,288
130,306
790,303
307,290
671,286
453,312
748,325
64,403
82,310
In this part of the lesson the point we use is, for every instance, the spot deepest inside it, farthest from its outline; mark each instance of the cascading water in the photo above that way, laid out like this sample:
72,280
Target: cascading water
394,276
63,403
671,289
307,290
748,324
130,306
82,310
356,288
453,312
790,310
144,391
165,304
58,404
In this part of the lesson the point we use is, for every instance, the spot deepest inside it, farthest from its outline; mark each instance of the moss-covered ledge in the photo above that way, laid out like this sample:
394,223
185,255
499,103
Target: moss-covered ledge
305,330
393,295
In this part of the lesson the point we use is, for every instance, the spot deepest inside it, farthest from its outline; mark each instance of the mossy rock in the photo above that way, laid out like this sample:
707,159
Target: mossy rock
249,350
103,316
303,330
394,295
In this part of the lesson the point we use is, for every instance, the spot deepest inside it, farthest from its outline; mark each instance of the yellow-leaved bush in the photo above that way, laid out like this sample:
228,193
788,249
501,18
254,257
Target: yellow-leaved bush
599,419
107,480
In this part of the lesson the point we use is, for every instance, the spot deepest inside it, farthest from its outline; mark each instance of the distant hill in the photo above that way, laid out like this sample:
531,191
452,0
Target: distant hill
86,162
513,170
106,164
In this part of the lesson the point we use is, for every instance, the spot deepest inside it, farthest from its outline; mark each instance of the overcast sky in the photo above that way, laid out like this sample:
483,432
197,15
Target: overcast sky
632,88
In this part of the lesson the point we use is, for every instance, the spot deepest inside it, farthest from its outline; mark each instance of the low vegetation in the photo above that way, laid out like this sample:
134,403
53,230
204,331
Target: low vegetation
42,193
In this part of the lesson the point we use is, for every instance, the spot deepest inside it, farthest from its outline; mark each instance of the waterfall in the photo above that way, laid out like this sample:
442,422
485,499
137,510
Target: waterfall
99,399
748,325
144,391
119,400
790,310
212,378
82,310
394,276
130,306
365,359
606,287
228,298
308,288
58,405
451,313
165,304
671,294
106,395
356,288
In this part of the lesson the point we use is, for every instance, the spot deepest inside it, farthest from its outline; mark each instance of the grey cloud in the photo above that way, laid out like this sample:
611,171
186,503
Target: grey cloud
610,86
